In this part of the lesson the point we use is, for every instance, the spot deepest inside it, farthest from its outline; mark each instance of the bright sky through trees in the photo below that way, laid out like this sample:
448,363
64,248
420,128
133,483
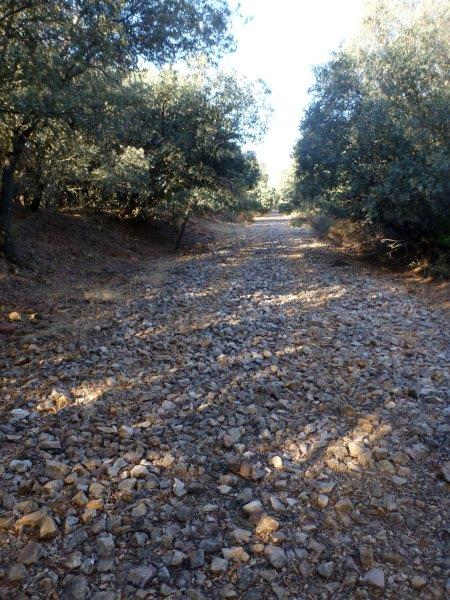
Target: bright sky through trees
280,44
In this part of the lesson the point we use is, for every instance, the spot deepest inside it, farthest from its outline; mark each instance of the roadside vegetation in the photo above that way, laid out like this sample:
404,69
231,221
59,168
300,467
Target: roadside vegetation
373,149
116,107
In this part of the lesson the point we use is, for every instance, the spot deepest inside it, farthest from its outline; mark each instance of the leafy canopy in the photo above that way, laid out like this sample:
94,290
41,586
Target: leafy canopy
374,142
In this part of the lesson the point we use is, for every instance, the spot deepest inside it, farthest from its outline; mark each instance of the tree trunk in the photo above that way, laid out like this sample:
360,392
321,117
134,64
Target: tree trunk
181,231
37,199
6,208
36,202
7,191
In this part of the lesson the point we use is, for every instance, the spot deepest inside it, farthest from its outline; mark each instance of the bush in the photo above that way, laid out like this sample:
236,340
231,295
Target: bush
322,224
285,207
374,142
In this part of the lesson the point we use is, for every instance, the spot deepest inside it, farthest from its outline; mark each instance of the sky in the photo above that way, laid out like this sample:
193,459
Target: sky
280,44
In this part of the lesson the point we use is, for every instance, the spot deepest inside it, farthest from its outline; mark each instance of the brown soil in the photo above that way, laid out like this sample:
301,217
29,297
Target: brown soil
267,420
75,266
349,242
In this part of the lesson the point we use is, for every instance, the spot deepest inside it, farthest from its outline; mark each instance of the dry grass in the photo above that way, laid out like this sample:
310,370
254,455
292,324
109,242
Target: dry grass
78,266
352,241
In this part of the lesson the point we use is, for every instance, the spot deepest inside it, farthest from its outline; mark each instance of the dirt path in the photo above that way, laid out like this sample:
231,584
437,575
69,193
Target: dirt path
268,422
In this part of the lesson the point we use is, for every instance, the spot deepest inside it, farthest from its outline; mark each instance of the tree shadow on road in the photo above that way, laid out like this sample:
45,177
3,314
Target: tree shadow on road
252,373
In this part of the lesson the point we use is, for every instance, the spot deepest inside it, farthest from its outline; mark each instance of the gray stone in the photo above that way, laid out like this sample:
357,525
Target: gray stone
30,554
194,594
197,559
76,589
219,565
17,573
418,582
165,590
75,539
325,569
445,470
140,539
375,577
105,545
19,414
140,576
104,565
253,507
74,560
20,466
242,535
276,556
325,487
176,558
164,574
106,595
211,545
87,565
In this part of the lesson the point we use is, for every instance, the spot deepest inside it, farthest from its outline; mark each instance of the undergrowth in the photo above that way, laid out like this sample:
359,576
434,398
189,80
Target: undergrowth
430,259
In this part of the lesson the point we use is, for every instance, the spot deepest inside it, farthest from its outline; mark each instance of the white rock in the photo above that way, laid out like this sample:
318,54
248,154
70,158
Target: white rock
276,556
18,414
139,471
375,577
20,466
178,488
276,462
322,501
253,507
219,565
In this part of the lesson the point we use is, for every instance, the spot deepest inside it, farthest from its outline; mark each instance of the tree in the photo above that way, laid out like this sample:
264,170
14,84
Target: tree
287,190
59,60
166,145
374,142
264,195
184,135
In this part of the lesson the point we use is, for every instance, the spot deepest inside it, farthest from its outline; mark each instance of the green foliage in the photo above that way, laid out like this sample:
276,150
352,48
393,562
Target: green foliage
374,143
177,151
83,124
285,207
287,190
263,196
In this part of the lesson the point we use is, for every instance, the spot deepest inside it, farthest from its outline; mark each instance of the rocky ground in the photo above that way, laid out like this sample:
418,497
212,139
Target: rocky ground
266,422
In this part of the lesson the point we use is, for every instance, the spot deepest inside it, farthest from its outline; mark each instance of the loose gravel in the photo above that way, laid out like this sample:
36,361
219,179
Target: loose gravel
270,423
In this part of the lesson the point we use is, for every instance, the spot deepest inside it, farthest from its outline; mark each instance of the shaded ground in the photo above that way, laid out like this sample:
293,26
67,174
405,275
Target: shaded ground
76,266
264,421
352,241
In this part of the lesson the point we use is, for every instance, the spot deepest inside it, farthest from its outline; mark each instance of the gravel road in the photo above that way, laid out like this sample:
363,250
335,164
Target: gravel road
267,422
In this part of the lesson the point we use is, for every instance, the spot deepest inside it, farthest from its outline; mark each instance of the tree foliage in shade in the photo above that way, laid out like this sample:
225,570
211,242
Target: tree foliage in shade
374,142
76,122
264,195
180,149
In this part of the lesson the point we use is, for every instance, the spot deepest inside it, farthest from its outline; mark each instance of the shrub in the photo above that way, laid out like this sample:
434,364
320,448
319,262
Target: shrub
374,142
